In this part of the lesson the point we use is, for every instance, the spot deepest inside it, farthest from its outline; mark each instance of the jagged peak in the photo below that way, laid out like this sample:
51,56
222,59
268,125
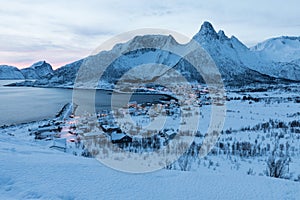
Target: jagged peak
207,26
207,33
207,30
222,35
39,64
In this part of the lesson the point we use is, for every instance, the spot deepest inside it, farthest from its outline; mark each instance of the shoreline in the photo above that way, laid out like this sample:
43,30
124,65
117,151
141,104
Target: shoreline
58,114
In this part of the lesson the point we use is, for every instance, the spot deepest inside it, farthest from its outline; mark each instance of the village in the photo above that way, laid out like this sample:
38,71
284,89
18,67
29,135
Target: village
132,126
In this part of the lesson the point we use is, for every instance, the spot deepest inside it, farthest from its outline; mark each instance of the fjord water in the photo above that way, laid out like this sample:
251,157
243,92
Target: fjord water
26,104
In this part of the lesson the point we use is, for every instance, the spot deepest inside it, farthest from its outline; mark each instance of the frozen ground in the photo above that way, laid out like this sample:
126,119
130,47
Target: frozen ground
31,171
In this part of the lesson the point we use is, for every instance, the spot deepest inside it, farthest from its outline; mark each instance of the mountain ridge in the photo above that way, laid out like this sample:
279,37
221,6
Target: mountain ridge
237,63
38,70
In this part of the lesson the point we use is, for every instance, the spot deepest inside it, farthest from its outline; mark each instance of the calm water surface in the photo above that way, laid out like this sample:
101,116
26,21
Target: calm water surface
25,104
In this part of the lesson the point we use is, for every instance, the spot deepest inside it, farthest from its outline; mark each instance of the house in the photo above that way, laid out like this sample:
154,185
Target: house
170,134
120,138
59,144
132,104
45,135
46,129
110,128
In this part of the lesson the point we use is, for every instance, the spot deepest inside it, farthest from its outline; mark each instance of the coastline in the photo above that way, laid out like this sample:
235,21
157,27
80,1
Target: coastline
58,115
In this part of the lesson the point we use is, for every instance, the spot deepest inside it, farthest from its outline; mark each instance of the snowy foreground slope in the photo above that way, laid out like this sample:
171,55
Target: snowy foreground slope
31,171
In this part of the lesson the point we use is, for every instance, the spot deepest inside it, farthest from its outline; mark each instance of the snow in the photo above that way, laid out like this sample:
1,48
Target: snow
117,136
280,49
276,57
10,73
281,56
34,172
31,170
37,70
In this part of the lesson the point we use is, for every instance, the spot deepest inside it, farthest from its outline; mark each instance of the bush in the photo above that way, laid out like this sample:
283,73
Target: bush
250,172
184,162
277,167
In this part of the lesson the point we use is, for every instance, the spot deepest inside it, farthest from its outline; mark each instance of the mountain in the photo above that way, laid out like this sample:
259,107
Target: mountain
235,61
10,73
222,49
238,64
38,70
280,49
63,76
282,55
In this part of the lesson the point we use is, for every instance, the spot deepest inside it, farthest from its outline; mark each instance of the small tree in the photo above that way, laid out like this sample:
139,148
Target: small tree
184,162
277,167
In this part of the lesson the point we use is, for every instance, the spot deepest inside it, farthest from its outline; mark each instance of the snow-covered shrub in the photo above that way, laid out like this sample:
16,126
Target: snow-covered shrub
250,172
184,162
298,178
277,167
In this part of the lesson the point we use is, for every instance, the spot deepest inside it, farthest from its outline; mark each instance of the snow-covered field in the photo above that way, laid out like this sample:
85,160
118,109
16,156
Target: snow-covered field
258,125
32,171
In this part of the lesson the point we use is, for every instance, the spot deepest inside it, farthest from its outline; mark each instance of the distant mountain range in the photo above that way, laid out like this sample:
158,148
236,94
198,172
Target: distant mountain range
38,70
274,60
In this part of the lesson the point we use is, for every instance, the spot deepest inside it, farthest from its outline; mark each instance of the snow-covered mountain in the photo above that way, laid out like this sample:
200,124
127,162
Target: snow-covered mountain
38,70
280,49
281,55
10,73
63,76
234,60
275,60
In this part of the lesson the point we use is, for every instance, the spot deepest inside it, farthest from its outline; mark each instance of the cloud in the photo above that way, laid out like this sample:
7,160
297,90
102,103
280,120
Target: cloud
61,30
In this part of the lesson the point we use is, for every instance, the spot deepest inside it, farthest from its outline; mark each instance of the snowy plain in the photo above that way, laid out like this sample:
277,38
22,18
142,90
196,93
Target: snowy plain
31,171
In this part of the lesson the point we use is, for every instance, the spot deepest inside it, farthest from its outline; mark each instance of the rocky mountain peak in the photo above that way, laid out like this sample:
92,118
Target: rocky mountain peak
206,31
